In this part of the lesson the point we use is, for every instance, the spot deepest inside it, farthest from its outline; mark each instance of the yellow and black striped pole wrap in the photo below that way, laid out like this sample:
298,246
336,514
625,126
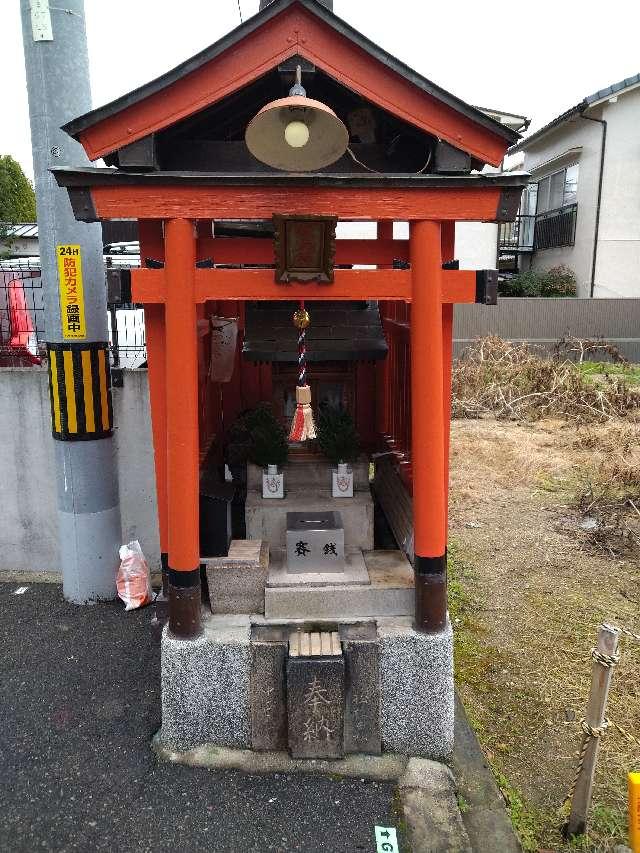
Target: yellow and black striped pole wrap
80,390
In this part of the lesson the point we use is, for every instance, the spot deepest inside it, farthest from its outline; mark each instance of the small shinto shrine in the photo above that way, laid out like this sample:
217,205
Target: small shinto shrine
242,167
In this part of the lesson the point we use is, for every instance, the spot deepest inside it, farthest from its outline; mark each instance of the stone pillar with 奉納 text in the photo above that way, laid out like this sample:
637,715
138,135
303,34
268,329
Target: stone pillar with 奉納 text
315,695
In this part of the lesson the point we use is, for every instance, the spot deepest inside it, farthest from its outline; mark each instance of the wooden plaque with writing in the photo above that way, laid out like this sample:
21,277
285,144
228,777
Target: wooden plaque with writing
305,248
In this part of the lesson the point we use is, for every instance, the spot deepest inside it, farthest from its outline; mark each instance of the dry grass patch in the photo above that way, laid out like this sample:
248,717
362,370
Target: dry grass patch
608,490
514,381
529,589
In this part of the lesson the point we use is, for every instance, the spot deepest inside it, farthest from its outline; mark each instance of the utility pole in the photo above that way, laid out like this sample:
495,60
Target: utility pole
57,65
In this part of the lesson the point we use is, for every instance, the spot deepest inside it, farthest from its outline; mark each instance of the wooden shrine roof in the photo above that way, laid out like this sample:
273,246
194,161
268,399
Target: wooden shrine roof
342,331
282,30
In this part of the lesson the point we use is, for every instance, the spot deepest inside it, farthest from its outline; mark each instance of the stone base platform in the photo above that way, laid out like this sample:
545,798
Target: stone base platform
227,688
376,583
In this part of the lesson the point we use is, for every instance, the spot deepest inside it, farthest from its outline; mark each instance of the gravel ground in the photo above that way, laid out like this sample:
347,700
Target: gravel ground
79,703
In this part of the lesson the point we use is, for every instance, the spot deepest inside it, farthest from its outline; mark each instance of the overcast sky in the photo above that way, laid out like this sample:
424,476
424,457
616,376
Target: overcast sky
534,59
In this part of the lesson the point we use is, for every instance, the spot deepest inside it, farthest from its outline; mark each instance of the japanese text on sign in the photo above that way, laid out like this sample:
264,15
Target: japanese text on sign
72,312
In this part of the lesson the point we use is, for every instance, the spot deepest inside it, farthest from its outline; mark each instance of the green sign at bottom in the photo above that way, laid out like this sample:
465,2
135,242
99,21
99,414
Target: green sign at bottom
386,840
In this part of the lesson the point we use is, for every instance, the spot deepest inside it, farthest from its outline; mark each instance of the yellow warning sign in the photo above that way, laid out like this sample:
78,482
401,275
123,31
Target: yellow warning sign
72,312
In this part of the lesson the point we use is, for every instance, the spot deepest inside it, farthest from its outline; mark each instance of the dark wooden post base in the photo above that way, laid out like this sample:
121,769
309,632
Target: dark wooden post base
431,593
164,565
185,604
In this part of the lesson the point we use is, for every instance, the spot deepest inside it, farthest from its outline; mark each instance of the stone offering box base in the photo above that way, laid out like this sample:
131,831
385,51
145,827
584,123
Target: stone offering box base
320,664
249,581
319,689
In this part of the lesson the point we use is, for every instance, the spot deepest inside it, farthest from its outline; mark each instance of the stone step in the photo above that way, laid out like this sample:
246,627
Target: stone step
390,593
355,573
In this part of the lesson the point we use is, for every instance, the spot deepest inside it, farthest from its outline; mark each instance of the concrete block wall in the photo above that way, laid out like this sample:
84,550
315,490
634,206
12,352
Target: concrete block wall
543,322
28,516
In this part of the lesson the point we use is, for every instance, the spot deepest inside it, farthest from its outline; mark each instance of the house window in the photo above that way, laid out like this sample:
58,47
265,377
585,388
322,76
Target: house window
559,189
571,185
556,209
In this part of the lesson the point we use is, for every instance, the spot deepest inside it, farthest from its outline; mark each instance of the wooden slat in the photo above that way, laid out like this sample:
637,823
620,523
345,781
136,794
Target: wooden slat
396,504
335,643
294,644
325,639
316,646
305,644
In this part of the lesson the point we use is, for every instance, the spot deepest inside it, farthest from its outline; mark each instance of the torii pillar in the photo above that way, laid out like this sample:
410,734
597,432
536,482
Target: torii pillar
182,429
428,435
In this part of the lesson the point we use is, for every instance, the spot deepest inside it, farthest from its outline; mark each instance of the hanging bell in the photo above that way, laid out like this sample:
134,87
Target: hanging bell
297,134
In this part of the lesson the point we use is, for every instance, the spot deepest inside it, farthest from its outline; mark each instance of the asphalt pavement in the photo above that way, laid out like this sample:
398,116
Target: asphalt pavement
79,703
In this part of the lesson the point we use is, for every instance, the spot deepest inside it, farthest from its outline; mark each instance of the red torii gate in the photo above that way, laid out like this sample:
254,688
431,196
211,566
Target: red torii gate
169,205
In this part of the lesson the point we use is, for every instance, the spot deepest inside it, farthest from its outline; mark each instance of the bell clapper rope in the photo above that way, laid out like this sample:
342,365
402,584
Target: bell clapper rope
302,425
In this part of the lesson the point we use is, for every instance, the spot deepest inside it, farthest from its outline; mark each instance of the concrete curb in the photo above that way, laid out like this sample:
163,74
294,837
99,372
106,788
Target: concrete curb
484,814
24,576
428,796
430,792
370,767
430,813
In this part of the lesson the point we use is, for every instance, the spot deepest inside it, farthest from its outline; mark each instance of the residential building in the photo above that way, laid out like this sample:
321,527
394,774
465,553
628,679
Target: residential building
581,208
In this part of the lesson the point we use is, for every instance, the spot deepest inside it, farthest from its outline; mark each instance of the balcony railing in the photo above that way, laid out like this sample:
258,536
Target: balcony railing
548,230
556,228
517,236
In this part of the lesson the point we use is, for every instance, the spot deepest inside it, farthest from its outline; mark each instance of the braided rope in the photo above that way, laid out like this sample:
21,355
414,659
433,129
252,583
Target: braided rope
301,321
588,734
608,661
302,358
630,634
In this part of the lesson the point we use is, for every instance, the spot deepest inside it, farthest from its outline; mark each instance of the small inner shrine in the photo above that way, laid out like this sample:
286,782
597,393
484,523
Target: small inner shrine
299,355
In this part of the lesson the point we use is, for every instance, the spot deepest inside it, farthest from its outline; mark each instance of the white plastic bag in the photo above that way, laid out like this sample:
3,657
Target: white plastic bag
133,581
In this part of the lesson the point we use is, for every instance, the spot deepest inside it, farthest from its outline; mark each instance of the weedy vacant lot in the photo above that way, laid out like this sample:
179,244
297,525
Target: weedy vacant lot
545,530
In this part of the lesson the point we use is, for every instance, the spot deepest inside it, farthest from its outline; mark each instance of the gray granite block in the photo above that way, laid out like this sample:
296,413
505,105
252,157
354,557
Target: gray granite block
236,582
315,707
268,699
205,686
416,689
362,697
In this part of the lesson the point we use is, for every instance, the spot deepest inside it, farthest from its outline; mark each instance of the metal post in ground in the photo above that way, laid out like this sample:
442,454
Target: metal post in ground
57,65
